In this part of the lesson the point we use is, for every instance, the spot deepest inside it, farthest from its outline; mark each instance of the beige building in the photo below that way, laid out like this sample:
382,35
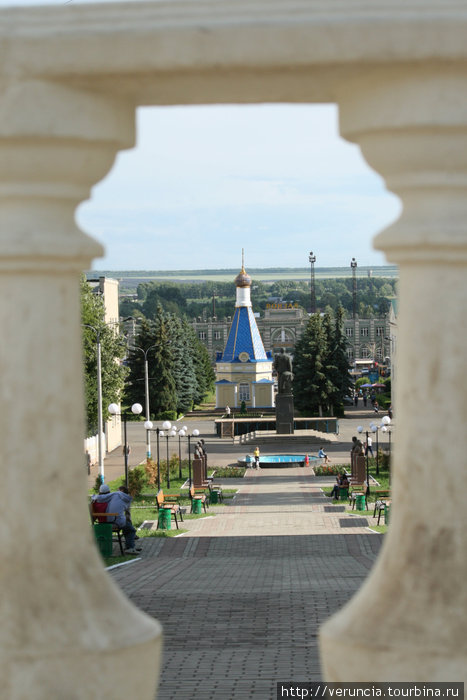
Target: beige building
283,323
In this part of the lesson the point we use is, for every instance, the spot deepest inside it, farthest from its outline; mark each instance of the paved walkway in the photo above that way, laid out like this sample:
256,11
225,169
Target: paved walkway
242,594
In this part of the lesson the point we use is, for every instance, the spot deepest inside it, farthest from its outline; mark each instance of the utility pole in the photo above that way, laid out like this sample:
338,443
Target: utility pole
312,260
353,266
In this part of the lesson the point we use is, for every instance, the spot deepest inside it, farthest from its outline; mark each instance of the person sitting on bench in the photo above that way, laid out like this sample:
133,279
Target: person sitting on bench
341,483
119,502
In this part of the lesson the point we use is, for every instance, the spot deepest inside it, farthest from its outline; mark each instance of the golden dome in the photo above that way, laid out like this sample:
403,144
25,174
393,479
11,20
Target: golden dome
243,279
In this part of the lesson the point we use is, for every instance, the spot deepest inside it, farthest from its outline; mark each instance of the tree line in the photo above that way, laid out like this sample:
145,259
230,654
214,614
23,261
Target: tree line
205,299
179,367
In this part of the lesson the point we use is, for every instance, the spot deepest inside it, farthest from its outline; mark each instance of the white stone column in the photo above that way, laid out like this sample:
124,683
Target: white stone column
67,630
407,623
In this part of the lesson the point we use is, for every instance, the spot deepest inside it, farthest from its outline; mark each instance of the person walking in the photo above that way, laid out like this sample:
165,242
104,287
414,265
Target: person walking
369,446
256,454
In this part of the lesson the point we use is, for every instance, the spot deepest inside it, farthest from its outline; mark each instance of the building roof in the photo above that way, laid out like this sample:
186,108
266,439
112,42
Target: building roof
244,337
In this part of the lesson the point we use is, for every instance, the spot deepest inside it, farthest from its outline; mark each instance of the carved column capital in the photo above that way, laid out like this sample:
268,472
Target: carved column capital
411,124
55,144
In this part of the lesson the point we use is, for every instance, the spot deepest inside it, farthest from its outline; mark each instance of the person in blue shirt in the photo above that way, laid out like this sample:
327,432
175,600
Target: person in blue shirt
119,502
322,455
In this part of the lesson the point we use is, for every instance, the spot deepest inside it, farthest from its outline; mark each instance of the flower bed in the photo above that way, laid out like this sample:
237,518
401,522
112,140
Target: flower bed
330,470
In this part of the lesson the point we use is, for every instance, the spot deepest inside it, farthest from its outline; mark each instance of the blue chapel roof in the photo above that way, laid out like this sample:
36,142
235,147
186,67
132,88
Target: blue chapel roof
244,337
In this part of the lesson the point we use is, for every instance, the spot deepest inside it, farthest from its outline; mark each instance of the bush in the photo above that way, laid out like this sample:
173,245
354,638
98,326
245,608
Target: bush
136,481
331,470
168,415
229,472
151,472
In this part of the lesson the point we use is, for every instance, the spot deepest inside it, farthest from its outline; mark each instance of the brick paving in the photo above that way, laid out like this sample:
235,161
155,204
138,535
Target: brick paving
241,595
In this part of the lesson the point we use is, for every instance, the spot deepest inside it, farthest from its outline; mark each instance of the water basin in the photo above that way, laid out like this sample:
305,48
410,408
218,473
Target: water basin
277,460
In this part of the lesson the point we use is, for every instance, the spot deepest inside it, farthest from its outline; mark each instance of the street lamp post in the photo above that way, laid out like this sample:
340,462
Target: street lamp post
167,425
312,260
181,433
158,432
146,394
114,410
194,433
386,428
375,428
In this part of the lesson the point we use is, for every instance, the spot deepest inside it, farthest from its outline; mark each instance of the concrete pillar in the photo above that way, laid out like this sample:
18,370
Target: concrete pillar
411,123
66,629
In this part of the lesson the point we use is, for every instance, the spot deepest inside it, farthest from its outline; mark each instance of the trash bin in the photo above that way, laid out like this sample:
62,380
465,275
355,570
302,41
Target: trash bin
197,506
343,493
103,535
164,519
360,501
387,511
214,496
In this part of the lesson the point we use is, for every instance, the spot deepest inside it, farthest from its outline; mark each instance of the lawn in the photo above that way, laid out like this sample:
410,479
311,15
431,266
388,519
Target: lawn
144,506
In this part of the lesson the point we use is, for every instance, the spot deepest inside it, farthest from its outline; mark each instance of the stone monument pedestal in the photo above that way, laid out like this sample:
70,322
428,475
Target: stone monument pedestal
284,414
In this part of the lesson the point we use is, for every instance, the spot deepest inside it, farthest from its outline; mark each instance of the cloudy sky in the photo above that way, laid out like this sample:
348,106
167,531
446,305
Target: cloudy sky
203,182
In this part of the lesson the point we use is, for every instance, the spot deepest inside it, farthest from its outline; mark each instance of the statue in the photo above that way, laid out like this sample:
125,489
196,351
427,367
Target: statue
283,367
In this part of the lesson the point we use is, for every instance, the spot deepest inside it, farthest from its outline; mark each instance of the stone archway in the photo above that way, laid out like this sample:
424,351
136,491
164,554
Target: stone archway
71,80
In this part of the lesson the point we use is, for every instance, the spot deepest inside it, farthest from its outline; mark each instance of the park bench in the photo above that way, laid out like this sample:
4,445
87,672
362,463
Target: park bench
381,502
168,502
98,513
198,494
217,490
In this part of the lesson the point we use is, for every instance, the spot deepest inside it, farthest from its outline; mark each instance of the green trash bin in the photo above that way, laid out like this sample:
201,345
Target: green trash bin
360,501
214,496
343,493
164,520
197,506
103,535
387,512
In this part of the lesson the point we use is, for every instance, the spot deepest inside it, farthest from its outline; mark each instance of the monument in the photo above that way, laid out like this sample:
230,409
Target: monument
284,397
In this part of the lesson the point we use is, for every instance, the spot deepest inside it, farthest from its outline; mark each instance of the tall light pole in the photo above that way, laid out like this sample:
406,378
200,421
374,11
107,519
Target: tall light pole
353,267
312,260
114,410
146,395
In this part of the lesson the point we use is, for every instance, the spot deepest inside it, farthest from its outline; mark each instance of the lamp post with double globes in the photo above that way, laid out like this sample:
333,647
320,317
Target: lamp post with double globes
375,428
114,410
146,396
181,433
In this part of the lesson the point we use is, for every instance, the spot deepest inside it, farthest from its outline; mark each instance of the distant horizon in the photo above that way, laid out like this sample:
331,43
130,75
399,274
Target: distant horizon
195,270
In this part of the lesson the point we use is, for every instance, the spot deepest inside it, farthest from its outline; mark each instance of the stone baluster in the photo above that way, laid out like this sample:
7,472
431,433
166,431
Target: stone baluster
407,622
67,630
